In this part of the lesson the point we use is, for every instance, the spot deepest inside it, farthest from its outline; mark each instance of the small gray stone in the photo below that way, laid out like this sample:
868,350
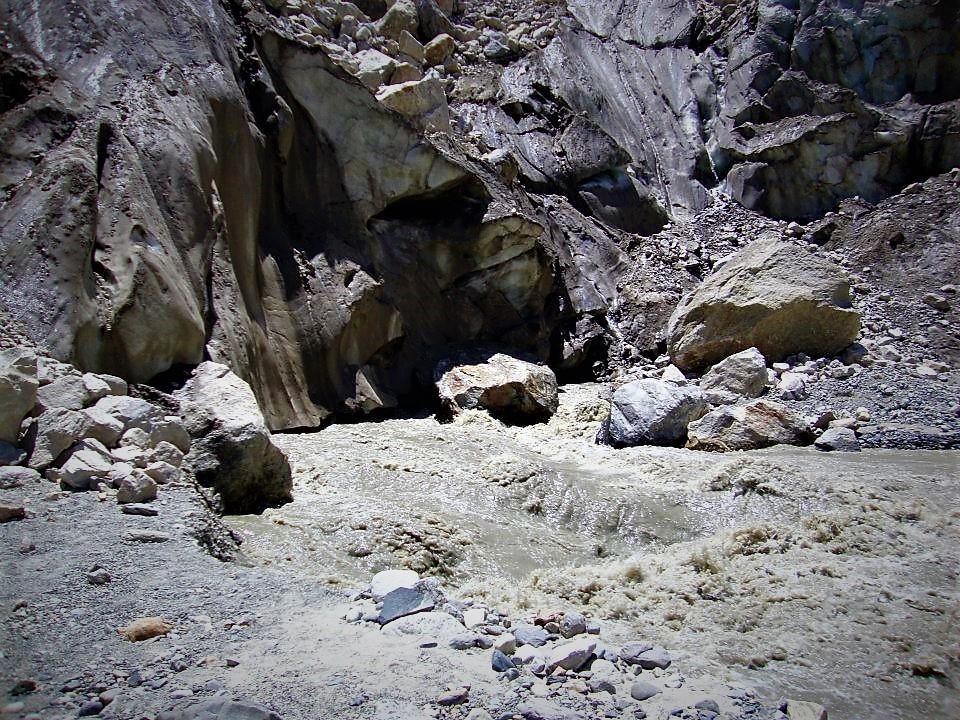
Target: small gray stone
139,509
573,623
631,651
146,536
98,576
457,696
530,635
500,662
655,657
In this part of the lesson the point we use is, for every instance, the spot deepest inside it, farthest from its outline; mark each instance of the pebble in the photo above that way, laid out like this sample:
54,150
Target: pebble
98,576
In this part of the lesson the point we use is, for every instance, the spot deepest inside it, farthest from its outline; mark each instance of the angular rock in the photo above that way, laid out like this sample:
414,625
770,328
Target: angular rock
170,429
82,470
792,386
437,625
506,387
655,657
232,450
387,581
167,453
571,655
375,68
572,623
102,426
402,602
630,652
67,391
801,710
772,295
18,391
433,20
530,635
53,432
506,643
456,696
758,424
840,439
744,374
499,662
423,102
136,488
132,412
438,50
401,16
162,473
653,412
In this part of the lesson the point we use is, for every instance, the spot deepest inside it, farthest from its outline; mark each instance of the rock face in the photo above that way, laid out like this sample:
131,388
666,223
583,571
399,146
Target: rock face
232,451
290,189
508,388
652,412
758,424
773,296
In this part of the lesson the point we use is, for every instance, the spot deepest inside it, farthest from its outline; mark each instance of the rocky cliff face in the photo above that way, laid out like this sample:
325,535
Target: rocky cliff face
331,197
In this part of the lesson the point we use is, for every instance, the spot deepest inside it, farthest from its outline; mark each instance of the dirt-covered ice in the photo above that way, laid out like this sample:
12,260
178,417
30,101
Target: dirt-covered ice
832,577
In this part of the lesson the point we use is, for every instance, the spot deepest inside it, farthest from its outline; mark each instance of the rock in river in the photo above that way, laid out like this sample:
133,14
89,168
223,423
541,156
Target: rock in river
652,412
508,388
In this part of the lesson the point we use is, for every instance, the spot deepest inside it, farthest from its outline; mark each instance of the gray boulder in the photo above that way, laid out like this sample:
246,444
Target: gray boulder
652,412
758,424
840,439
744,374
232,450
52,433
220,709
508,388
136,488
18,391
772,295
83,470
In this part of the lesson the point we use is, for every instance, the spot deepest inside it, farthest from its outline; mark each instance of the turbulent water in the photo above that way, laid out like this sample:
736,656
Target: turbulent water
772,567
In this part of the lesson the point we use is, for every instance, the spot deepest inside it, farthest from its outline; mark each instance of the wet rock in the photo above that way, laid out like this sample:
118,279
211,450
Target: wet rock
232,450
772,295
18,391
145,628
653,412
506,387
840,439
641,690
402,602
387,581
136,488
744,374
10,512
221,709
758,424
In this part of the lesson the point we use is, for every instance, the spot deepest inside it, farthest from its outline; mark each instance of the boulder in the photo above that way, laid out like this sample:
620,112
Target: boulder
792,386
841,439
232,450
506,387
136,488
438,50
744,374
18,391
402,15
772,295
653,412
54,432
101,425
132,412
433,20
386,581
571,655
83,470
375,68
68,391
423,102
758,424
15,476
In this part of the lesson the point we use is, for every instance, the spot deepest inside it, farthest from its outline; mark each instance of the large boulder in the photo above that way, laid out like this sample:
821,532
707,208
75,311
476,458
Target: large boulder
758,424
232,451
743,374
772,295
508,388
652,412
18,391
